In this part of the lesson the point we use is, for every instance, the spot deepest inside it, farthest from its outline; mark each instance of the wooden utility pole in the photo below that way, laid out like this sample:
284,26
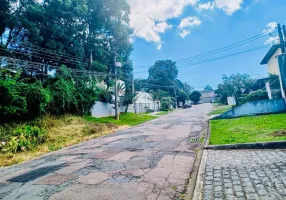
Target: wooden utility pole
175,92
116,90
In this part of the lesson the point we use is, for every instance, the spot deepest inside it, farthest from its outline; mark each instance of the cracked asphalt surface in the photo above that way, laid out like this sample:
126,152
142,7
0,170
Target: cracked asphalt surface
150,161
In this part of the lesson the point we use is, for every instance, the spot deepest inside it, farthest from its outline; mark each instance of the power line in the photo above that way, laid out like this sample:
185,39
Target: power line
35,65
225,56
213,52
42,57
213,59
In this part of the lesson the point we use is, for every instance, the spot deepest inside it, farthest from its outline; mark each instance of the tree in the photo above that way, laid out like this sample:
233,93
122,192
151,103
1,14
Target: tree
163,73
195,96
235,86
140,84
182,97
208,88
159,94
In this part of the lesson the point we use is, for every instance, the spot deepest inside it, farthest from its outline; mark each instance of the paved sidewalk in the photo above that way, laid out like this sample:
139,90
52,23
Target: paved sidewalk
245,174
151,161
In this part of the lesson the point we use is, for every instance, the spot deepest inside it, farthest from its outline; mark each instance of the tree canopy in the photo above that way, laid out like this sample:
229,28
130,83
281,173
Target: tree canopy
195,96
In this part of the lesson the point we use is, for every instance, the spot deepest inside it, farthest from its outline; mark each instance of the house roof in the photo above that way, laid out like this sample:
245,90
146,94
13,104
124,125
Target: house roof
269,54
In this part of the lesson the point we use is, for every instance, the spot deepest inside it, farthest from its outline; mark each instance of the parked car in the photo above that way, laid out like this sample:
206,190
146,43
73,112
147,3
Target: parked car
187,106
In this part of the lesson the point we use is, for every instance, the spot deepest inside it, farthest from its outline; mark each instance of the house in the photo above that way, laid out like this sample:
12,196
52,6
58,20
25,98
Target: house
208,96
144,102
271,59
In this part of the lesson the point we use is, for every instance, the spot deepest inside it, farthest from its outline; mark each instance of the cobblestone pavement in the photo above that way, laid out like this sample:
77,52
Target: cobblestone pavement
245,174
150,161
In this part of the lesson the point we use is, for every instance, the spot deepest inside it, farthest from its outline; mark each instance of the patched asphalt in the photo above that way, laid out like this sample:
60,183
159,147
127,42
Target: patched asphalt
150,161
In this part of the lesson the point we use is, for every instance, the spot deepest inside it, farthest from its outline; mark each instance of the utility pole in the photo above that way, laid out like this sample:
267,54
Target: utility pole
133,89
175,92
116,89
284,33
281,39
280,63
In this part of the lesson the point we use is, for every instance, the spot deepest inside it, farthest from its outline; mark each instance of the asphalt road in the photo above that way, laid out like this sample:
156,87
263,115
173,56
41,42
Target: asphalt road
150,161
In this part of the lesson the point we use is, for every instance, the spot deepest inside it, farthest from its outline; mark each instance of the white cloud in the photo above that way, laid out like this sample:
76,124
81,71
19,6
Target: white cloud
206,6
229,6
189,22
159,46
270,27
272,40
149,18
184,33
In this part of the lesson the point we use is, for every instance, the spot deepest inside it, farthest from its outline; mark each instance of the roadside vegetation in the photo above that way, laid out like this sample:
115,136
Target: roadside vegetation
22,141
219,110
126,119
262,128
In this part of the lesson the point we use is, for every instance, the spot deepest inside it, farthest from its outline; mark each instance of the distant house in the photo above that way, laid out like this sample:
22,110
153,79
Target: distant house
208,96
143,102
271,59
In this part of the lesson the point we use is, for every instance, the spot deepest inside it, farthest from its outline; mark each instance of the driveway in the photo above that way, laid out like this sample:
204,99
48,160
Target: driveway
150,161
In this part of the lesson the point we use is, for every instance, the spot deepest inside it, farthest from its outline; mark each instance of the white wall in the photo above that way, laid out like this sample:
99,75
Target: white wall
101,109
273,63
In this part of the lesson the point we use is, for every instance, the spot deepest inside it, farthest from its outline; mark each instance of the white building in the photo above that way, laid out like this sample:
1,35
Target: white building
271,59
143,102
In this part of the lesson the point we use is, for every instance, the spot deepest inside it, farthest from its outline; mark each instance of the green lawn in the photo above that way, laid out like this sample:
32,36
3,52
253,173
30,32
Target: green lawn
129,119
248,129
219,110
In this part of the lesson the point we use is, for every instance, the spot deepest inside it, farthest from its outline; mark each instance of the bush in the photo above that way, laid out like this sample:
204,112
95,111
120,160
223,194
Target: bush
12,103
20,100
255,96
166,103
24,138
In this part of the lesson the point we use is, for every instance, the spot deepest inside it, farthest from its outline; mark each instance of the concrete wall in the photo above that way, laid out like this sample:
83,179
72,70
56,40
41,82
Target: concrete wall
273,63
101,109
255,108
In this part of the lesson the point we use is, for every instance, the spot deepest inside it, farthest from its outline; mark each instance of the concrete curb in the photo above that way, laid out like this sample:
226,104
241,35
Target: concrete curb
198,193
263,145
190,193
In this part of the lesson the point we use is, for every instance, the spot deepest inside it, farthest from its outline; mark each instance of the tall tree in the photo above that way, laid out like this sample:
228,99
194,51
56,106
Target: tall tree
195,96
163,73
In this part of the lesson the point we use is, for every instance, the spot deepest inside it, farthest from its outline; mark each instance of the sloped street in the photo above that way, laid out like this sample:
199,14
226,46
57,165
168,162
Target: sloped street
150,161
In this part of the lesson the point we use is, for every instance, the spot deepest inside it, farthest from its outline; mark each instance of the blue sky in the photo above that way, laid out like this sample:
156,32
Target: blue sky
159,27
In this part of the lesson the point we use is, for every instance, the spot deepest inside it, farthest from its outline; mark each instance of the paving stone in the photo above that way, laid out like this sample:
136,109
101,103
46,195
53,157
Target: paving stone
247,174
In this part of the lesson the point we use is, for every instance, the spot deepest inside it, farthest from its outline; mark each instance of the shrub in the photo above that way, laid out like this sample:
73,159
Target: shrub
12,103
166,103
25,138
20,100
255,96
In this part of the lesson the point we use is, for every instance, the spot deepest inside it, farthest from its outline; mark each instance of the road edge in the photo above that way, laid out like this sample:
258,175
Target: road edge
195,172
